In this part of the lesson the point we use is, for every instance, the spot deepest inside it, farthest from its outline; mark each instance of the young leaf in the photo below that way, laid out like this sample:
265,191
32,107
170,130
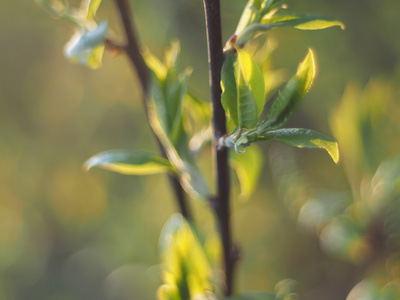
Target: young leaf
290,97
304,22
228,86
250,90
247,109
129,162
248,167
253,78
298,137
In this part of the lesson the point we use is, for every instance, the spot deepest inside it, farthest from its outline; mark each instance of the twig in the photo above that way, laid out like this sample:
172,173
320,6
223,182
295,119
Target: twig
221,205
132,49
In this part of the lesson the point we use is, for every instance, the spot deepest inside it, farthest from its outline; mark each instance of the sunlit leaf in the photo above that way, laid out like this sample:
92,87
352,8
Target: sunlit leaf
303,138
253,78
250,90
187,271
304,22
228,86
86,47
129,162
248,167
290,97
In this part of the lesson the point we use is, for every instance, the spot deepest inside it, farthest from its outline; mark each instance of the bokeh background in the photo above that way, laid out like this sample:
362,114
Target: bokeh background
70,235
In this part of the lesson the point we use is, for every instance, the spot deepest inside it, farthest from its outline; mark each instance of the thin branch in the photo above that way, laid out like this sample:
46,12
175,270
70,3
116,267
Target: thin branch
132,49
222,200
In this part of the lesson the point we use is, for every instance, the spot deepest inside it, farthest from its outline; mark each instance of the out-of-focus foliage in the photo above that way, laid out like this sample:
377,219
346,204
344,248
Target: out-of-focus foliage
360,225
67,234
187,271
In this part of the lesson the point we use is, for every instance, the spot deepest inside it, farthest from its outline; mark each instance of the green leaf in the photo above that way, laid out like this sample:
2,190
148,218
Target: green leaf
228,86
250,90
247,109
129,162
304,22
248,167
303,138
254,79
290,97
252,296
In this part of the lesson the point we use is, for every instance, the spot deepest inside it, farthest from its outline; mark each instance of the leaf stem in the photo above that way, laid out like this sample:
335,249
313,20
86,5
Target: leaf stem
132,50
222,200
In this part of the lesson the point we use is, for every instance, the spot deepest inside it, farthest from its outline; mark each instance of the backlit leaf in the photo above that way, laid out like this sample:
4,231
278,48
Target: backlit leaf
187,271
303,138
290,97
253,78
129,162
304,22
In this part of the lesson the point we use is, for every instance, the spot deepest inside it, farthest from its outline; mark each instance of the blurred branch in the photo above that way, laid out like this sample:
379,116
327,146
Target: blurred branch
222,201
132,49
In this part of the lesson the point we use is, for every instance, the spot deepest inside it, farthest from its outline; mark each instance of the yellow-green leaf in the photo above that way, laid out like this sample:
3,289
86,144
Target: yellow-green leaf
304,22
253,78
303,138
129,162
290,97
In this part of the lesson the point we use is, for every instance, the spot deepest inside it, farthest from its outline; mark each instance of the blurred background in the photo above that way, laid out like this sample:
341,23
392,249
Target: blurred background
70,235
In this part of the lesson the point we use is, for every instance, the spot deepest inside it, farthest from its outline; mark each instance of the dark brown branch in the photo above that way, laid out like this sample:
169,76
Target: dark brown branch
132,49
222,202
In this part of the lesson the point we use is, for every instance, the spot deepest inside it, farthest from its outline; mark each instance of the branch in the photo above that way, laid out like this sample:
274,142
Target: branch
132,49
221,204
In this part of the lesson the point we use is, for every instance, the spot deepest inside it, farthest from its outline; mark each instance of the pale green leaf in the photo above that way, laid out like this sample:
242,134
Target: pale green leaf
228,86
290,97
303,138
304,22
248,167
129,162
253,78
